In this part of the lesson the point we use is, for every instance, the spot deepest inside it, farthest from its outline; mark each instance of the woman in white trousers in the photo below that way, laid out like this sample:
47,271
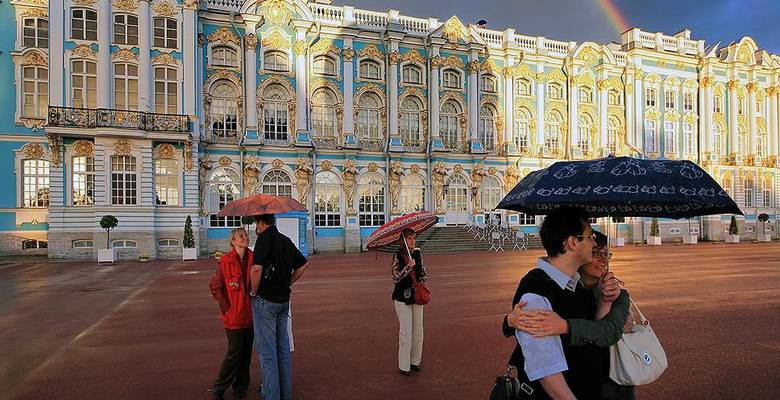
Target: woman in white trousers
410,315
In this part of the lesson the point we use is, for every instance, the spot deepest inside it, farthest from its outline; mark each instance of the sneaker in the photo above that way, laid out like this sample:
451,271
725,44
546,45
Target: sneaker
407,373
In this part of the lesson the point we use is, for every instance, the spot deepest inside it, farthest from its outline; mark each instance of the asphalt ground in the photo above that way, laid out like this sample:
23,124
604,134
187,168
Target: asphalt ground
151,330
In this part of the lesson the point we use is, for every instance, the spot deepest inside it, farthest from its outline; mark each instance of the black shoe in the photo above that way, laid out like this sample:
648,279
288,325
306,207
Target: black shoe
239,394
218,395
416,368
407,373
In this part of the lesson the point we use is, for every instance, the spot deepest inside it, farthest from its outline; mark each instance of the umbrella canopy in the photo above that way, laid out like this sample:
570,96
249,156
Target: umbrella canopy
622,187
391,231
260,204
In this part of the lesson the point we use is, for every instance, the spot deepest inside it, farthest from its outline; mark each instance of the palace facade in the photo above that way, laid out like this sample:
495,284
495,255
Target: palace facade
153,110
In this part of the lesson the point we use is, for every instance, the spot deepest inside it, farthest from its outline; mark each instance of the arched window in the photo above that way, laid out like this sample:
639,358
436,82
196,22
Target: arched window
742,140
717,140
488,83
670,99
126,86
741,106
767,191
749,191
584,125
165,32
275,118
650,100
323,116
487,127
491,193
727,185
224,110
368,127
554,91
717,104
277,183
371,203
275,61
411,112
36,33
83,181
449,126
614,98
523,130
223,188
759,106
83,82
35,91
224,56
670,137
688,102
760,142
411,74
457,193
83,24
688,138
451,79
125,29
523,87
324,65
35,183
613,135
327,202
553,133
585,94
412,193
370,69
124,180
651,135
166,90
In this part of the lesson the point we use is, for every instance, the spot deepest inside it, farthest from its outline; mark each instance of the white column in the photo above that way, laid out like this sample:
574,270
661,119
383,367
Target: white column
473,68
509,120
434,95
145,75
540,94
300,81
630,118
573,130
774,130
733,131
705,118
104,55
639,118
56,46
751,112
349,107
189,35
250,80
392,90
602,104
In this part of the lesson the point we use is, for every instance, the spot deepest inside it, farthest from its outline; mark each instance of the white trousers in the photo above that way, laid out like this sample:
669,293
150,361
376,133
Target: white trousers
410,334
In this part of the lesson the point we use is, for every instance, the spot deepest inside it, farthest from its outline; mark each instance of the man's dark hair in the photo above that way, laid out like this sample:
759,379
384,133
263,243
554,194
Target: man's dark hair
601,239
268,219
558,225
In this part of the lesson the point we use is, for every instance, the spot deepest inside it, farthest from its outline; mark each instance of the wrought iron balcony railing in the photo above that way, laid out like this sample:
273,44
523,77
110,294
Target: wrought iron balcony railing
70,117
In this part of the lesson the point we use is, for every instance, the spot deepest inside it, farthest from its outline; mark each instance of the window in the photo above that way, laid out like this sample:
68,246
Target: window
31,244
370,69
83,244
324,65
742,141
125,29
35,33
226,57
585,95
124,189
223,188
35,92
717,140
651,136
412,193
323,118
167,243
649,97
717,105
527,219
675,231
554,91
451,79
124,244
275,122
487,127
688,102
523,130
224,110
523,87
411,74
368,125
448,125
457,193
688,138
669,138
35,183
83,24
584,125
552,133
166,90
727,186
126,86
759,107
741,106
327,202
491,193
166,173
614,98
83,191
275,61
371,203
760,145
669,99
277,183
165,33
749,192
767,192
488,83
411,112
613,135
84,83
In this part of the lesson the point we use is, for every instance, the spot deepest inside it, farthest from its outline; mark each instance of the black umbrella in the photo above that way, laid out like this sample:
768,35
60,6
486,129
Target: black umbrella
622,187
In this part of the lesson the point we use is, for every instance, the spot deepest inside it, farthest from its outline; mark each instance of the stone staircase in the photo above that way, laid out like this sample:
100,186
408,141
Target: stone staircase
448,239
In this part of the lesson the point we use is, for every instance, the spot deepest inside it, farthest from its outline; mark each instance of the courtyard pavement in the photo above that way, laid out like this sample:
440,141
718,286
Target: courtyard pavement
151,330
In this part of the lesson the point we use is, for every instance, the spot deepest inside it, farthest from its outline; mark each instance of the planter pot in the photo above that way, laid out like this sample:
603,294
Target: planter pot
106,255
732,238
654,240
143,260
189,253
764,237
691,239
620,242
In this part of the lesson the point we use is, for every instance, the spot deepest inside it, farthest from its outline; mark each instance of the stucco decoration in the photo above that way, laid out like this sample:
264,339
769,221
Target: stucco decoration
303,173
166,151
394,175
251,175
225,161
187,156
510,178
438,175
477,175
123,147
205,165
84,148
349,184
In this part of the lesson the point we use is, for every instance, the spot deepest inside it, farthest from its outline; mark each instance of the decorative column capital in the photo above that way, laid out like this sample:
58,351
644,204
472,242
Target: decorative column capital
473,67
733,84
251,41
348,54
395,57
751,87
191,5
300,47
706,81
437,62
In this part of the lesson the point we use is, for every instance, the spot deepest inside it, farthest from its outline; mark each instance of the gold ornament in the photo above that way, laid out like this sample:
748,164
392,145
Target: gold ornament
473,67
165,9
414,168
225,161
250,40
166,151
124,55
36,13
413,56
33,151
326,165
276,12
395,57
224,35
371,51
303,173
348,54
187,155
276,41
373,167
277,163
453,30
85,3
123,147
348,183
126,5
165,59
35,58
83,51
84,148
300,47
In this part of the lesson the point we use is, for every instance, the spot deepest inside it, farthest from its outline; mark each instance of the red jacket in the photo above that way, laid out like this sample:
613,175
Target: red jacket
230,288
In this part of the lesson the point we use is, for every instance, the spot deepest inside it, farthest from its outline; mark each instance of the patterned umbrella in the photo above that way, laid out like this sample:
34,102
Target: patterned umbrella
391,231
260,204
622,187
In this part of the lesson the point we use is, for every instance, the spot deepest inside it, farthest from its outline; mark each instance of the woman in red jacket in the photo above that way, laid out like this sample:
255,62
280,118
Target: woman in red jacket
229,286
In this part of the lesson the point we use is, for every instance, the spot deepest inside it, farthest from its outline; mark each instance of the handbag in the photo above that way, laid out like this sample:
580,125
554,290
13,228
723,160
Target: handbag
637,358
507,387
422,293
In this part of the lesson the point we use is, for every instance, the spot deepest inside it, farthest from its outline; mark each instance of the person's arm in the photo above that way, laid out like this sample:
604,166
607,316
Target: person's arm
217,287
254,279
605,332
298,273
299,262
556,387
400,271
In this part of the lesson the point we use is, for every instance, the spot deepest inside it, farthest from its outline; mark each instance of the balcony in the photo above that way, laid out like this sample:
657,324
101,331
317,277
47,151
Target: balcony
70,117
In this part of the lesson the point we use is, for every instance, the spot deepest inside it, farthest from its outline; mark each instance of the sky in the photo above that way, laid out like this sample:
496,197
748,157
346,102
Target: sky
714,21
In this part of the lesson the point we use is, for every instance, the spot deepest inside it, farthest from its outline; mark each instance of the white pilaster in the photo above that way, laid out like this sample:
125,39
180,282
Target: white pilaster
540,95
705,118
392,91
473,97
733,131
349,89
434,93
104,89
752,131
189,36
774,130
300,81
56,46
602,104
630,116
509,120
573,130
250,80
145,75
639,118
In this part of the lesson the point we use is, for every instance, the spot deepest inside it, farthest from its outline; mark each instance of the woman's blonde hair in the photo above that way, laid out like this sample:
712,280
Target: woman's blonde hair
235,232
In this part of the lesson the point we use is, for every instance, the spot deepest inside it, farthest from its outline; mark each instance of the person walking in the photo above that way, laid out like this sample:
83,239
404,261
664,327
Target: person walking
277,265
229,287
405,272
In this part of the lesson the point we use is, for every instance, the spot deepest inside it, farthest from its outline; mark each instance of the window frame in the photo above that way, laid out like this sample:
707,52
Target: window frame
448,75
328,216
364,67
230,127
38,34
87,34
124,181
409,67
39,96
218,57
167,173
275,115
127,81
278,180
223,182
371,201
87,97
320,64
491,80
165,30
126,26
82,180
35,176
170,90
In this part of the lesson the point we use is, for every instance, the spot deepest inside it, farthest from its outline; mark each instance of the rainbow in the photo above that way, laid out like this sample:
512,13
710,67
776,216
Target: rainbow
616,18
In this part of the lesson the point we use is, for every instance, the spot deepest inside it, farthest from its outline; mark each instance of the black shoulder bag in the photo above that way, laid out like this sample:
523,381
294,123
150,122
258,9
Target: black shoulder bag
507,387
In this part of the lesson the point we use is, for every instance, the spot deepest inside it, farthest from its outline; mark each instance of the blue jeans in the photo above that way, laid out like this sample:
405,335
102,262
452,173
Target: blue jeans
273,348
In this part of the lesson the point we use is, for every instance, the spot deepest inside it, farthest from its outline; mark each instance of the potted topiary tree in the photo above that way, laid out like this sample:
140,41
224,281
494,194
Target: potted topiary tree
655,234
108,222
188,252
763,236
733,235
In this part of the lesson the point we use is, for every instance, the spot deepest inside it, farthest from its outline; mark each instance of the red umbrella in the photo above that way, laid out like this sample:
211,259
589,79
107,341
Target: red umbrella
260,204
391,231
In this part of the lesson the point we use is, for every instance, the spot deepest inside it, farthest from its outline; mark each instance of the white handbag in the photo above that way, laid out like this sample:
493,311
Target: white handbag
637,358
